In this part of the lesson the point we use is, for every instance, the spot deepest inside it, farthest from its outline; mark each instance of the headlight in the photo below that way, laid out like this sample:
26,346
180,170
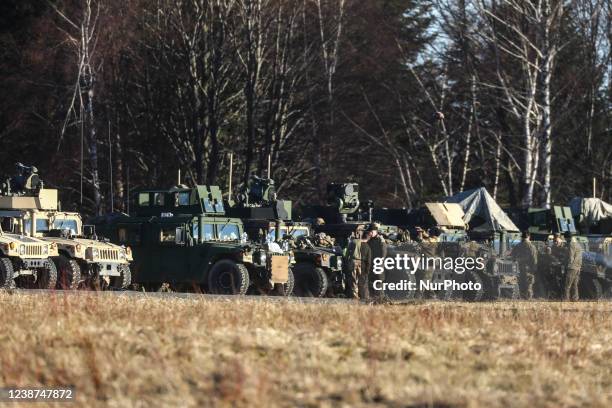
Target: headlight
128,251
122,254
95,252
339,262
21,249
12,246
78,248
262,258
46,250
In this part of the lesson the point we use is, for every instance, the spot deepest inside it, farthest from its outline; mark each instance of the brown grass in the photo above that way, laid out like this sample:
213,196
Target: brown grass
132,351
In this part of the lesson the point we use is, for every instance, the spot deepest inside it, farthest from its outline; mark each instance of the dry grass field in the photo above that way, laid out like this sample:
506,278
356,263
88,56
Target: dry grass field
140,351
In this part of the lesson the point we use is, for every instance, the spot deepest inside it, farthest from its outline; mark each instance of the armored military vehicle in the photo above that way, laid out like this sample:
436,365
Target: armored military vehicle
488,240
317,263
183,237
25,262
345,216
83,260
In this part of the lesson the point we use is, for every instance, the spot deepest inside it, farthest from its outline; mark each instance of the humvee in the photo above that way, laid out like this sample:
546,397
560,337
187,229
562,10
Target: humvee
25,262
83,260
317,267
182,237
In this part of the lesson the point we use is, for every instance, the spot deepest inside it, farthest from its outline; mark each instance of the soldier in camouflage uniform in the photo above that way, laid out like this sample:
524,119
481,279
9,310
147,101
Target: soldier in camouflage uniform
572,268
358,263
526,255
429,247
378,248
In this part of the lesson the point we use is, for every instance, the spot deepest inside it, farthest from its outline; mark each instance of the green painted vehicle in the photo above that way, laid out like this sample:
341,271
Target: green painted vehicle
182,238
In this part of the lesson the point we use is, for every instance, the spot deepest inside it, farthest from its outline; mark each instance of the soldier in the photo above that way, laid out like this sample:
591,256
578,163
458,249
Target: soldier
429,248
378,248
572,267
358,260
324,240
526,255
403,235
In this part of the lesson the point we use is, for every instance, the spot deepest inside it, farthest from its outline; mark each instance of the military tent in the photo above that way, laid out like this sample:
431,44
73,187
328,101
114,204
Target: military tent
481,211
592,215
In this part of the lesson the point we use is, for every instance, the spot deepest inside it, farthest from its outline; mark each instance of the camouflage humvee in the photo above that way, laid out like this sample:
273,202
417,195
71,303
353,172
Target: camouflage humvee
25,262
182,238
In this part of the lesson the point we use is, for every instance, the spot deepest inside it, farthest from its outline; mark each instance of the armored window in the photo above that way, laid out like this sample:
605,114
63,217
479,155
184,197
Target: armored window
66,225
299,232
7,224
122,234
167,235
143,199
42,225
229,232
183,198
158,199
208,232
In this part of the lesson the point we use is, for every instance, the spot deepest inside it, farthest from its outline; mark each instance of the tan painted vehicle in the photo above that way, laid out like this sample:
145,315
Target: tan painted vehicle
25,262
81,259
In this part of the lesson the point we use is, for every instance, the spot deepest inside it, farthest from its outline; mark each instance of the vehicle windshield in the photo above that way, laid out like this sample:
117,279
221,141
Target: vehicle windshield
208,232
66,225
298,232
229,232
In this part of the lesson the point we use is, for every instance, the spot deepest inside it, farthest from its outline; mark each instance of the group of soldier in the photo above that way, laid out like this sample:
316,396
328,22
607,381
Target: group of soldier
369,244
567,252
364,246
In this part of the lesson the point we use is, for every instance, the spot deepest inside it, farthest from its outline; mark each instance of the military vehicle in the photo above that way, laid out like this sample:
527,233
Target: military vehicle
317,265
343,217
595,275
83,260
182,237
25,262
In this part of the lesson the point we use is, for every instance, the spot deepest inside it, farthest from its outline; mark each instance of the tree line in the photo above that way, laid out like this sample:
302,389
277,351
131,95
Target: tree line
413,99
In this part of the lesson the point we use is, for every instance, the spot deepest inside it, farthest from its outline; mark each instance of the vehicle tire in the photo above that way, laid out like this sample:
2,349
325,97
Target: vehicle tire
310,281
68,273
474,295
124,280
591,288
228,277
47,277
7,274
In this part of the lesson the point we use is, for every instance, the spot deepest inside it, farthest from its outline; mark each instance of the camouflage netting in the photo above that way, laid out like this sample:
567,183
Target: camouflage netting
590,210
481,211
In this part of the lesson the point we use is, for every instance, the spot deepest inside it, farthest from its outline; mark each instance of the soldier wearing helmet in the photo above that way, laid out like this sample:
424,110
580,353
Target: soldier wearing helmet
378,248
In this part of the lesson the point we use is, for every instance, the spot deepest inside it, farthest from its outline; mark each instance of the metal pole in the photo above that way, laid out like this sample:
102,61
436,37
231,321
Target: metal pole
128,189
270,166
231,173
179,178
594,187
82,154
110,166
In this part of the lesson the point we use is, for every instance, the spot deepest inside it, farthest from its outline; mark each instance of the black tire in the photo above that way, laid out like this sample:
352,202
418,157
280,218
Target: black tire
124,280
474,295
7,274
68,273
228,277
46,278
310,281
